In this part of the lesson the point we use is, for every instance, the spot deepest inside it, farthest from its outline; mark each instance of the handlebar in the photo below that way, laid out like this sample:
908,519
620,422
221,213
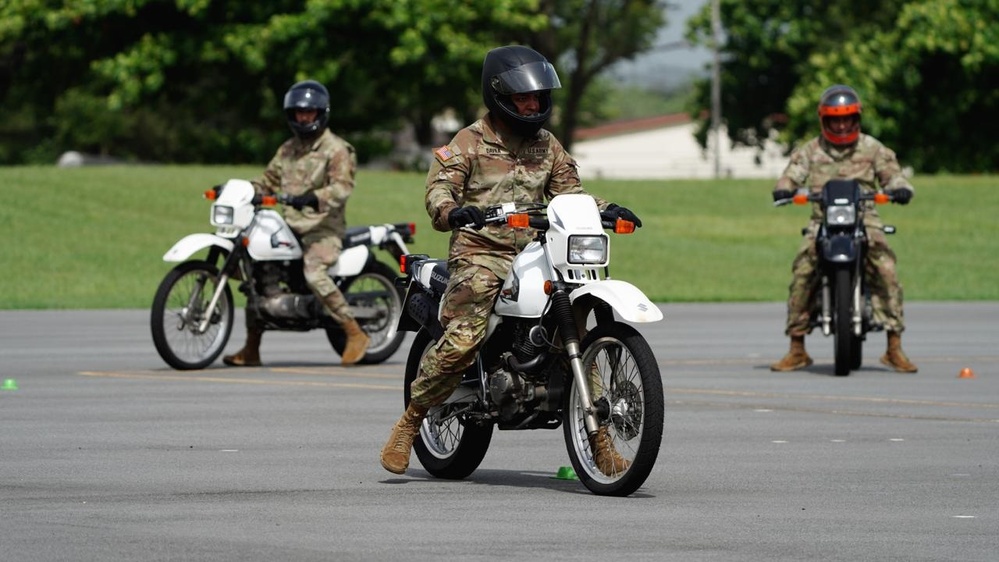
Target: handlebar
533,215
879,198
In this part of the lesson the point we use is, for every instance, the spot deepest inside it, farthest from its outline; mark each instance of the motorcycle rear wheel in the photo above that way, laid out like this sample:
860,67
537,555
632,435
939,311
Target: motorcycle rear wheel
627,385
448,446
180,305
377,305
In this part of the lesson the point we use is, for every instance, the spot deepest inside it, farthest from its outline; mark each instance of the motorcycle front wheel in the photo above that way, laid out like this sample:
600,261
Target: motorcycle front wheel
843,337
180,307
448,446
626,388
376,303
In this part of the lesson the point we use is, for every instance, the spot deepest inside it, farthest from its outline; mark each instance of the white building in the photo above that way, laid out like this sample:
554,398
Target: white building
664,148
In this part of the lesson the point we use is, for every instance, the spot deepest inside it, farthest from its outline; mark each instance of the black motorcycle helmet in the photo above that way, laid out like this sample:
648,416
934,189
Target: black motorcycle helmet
307,94
840,101
518,70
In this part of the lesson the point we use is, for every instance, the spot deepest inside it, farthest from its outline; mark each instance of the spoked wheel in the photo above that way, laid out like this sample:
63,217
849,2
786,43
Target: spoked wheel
627,389
180,307
449,445
377,306
843,337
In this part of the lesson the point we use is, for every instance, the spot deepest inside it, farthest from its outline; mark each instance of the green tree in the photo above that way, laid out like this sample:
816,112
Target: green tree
202,80
585,38
926,70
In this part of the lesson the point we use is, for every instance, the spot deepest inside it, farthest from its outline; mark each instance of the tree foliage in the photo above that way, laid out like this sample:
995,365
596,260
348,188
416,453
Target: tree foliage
927,72
203,80
585,38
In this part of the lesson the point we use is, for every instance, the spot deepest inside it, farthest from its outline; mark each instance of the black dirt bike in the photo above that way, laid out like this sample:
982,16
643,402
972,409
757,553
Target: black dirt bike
844,304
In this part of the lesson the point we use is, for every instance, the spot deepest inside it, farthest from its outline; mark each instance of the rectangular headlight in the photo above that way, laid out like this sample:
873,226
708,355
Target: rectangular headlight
841,215
587,249
221,215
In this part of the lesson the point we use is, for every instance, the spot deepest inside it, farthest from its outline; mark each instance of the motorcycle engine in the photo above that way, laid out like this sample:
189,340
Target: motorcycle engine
277,300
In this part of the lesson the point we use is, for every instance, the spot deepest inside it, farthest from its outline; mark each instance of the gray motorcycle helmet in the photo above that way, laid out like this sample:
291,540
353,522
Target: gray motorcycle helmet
516,69
307,94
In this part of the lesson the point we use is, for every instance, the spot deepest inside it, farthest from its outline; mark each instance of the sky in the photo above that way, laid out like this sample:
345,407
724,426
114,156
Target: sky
668,68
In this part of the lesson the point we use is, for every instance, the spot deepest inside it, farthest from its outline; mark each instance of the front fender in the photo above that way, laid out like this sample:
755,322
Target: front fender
194,243
626,299
840,249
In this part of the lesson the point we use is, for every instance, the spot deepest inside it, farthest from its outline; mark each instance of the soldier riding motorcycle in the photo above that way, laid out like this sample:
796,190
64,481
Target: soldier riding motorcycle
192,312
554,354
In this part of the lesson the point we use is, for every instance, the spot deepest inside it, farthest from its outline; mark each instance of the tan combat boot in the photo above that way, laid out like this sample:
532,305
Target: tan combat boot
605,456
895,357
796,358
249,356
357,343
395,453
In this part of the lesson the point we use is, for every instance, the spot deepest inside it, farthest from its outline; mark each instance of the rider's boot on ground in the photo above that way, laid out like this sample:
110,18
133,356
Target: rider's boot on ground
357,343
249,356
395,453
895,357
605,456
796,358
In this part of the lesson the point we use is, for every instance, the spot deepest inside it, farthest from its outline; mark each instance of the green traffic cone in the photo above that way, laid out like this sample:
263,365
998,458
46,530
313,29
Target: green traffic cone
566,473
9,384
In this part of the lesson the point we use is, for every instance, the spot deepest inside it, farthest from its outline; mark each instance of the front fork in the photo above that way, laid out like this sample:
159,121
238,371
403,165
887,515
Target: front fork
856,315
231,261
562,309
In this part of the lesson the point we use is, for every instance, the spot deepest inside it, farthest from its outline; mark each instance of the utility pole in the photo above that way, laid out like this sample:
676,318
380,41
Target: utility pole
716,82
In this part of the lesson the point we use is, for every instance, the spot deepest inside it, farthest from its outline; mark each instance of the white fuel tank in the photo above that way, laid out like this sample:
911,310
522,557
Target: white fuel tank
271,239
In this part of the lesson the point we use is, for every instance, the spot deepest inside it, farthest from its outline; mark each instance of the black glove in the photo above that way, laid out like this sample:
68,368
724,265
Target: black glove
466,216
780,194
902,195
614,212
299,202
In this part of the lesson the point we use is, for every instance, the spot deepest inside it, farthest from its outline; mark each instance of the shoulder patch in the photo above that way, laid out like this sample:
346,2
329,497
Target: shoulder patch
444,153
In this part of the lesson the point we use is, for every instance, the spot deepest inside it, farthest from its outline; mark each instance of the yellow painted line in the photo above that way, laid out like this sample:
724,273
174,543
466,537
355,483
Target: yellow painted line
334,371
827,397
153,376
761,361
830,411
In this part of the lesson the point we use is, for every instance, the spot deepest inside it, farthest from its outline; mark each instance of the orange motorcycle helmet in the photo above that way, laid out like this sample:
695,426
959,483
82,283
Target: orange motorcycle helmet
840,101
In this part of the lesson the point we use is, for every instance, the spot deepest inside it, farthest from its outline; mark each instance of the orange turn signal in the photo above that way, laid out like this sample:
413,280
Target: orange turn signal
800,199
881,198
624,227
549,287
402,263
269,201
210,194
518,220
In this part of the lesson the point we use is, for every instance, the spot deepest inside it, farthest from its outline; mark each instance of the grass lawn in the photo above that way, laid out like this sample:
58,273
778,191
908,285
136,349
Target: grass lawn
94,237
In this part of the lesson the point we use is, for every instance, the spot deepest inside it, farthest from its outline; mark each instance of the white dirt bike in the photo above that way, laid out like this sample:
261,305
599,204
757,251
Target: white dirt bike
192,312
554,354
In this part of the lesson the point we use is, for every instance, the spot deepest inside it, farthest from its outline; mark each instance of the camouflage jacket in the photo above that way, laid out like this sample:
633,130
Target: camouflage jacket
325,165
480,168
868,161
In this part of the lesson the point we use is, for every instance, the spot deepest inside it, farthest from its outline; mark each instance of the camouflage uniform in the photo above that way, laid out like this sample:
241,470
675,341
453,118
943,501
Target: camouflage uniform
325,165
873,165
479,168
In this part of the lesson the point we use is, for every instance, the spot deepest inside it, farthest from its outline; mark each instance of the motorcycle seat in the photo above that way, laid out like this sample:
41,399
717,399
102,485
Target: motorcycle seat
357,236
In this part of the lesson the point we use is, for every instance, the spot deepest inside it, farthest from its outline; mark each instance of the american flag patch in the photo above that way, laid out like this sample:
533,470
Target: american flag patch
444,153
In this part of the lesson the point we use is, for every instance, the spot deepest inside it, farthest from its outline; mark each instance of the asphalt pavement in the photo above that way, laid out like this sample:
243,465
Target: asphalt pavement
108,454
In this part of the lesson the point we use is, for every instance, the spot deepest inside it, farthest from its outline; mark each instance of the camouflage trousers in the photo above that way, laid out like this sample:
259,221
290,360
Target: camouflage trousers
465,308
879,267
320,251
